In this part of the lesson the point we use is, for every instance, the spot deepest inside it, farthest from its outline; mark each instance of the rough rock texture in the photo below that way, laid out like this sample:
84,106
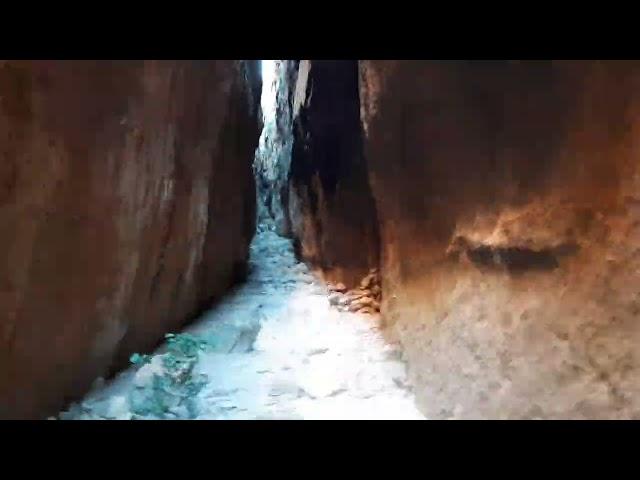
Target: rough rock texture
508,198
364,299
332,213
126,204
273,157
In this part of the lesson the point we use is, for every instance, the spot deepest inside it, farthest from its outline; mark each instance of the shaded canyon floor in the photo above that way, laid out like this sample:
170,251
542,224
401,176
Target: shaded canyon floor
273,348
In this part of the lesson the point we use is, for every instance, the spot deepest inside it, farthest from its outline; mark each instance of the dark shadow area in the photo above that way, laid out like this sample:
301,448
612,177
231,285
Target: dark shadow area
519,260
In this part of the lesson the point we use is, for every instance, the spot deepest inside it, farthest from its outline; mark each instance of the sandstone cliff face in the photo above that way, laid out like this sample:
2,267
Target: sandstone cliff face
333,219
508,200
126,204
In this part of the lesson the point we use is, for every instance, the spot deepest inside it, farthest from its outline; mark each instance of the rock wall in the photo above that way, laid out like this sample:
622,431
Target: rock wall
333,219
273,157
508,200
127,203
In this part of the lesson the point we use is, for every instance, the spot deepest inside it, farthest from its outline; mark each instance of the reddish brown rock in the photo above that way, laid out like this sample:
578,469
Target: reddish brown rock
376,291
338,287
368,311
332,213
506,194
126,205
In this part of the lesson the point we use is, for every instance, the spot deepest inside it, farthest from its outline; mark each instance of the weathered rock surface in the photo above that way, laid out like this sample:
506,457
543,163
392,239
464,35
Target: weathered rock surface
127,203
332,213
508,200
273,157
364,299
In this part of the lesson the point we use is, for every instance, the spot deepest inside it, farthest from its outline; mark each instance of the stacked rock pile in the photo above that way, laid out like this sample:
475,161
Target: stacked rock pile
364,299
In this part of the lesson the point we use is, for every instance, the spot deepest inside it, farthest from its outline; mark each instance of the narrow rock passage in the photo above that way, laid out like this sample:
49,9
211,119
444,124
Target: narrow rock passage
274,348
